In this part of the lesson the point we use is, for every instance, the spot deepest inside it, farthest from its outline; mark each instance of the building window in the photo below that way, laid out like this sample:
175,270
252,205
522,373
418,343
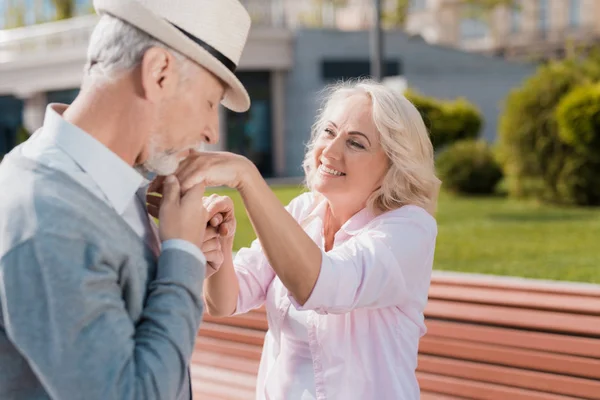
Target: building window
250,133
18,13
515,20
574,13
11,120
418,5
543,11
473,24
473,28
336,70
62,96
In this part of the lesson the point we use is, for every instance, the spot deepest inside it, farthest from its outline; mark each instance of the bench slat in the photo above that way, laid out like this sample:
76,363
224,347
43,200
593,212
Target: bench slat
512,283
540,381
232,333
513,317
478,390
232,379
517,298
226,362
551,342
242,350
209,390
251,320
522,358
438,396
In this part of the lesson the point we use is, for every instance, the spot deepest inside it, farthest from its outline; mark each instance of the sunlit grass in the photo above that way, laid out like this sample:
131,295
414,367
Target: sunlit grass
497,236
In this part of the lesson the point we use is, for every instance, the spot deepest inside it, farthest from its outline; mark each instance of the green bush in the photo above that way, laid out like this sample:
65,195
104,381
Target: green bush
447,121
22,135
533,154
464,121
468,166
578,118
579,182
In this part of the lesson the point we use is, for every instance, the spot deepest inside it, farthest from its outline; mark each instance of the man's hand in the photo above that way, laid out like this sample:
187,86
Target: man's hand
182,217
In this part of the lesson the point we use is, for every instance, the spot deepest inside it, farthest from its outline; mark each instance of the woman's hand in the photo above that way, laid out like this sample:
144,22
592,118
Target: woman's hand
212,250
221,289
220,229
221,215
213,169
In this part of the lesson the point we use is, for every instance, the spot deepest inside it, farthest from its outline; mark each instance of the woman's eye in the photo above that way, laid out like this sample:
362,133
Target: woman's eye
329,132
357,145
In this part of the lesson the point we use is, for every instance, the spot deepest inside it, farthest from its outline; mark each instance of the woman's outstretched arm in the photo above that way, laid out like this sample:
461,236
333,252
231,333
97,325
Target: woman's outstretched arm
292,254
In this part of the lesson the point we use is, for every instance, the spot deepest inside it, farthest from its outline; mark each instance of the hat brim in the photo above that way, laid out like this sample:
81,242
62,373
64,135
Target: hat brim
236,97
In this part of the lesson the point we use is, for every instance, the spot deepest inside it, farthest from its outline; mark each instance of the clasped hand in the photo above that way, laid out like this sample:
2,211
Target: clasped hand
185,213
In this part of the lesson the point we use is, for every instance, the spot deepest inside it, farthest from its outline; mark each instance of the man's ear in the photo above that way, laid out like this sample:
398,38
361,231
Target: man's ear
158,74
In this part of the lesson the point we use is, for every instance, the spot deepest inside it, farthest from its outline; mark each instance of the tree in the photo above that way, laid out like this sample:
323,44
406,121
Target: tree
548,134
489,5
40,12
14,15
319,17
65,9
396,17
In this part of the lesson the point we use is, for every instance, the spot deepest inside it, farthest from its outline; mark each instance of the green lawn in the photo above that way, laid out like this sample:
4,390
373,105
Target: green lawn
245,233
499,236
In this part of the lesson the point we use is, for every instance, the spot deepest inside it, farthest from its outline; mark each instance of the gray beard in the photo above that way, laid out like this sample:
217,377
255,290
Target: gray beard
162,163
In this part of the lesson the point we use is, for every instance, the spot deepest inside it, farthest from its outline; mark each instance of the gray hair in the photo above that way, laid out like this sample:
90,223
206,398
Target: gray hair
116,47
411,177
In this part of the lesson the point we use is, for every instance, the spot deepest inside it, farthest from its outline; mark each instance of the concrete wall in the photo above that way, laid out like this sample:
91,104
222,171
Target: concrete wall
432,70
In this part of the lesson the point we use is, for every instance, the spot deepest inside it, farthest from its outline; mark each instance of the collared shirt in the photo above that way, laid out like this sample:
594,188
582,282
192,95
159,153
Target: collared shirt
365,313
65,147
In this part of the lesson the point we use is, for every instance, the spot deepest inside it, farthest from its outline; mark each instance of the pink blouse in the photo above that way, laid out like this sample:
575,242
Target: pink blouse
365,314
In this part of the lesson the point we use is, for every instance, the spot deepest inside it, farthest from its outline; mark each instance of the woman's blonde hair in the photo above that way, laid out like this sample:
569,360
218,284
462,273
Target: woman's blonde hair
411,177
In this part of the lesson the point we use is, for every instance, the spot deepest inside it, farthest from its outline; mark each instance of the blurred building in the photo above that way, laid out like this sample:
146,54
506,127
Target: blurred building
43,63
294,49
528,29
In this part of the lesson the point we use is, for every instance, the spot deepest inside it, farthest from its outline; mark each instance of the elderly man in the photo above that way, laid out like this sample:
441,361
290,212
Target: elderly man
95,302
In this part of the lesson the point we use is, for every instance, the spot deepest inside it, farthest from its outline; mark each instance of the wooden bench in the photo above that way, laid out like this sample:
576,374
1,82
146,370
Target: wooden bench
488,338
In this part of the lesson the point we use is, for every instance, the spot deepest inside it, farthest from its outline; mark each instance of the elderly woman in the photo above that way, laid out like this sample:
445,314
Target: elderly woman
343,270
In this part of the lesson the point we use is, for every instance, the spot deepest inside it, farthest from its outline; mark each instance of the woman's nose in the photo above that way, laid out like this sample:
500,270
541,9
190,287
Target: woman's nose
334,149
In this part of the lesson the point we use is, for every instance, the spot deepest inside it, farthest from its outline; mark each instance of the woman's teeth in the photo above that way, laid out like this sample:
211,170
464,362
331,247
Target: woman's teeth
331,171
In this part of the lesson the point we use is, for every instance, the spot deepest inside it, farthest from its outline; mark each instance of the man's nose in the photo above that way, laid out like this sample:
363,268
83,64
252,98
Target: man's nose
211,133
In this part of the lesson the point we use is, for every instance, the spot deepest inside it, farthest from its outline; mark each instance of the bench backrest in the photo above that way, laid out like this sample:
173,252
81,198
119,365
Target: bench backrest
488,338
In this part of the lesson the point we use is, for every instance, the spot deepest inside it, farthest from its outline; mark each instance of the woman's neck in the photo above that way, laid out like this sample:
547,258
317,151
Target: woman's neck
335,218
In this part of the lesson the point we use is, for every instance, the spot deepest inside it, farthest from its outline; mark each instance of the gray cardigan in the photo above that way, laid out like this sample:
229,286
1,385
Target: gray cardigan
86,310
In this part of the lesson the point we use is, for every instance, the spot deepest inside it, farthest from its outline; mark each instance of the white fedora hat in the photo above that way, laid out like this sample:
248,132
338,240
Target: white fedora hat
212,33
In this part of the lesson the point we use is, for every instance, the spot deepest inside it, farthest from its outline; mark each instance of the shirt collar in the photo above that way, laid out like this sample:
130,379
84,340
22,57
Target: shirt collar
352,227
117,180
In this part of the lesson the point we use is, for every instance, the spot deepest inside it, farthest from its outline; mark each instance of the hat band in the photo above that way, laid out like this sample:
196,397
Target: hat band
230,65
